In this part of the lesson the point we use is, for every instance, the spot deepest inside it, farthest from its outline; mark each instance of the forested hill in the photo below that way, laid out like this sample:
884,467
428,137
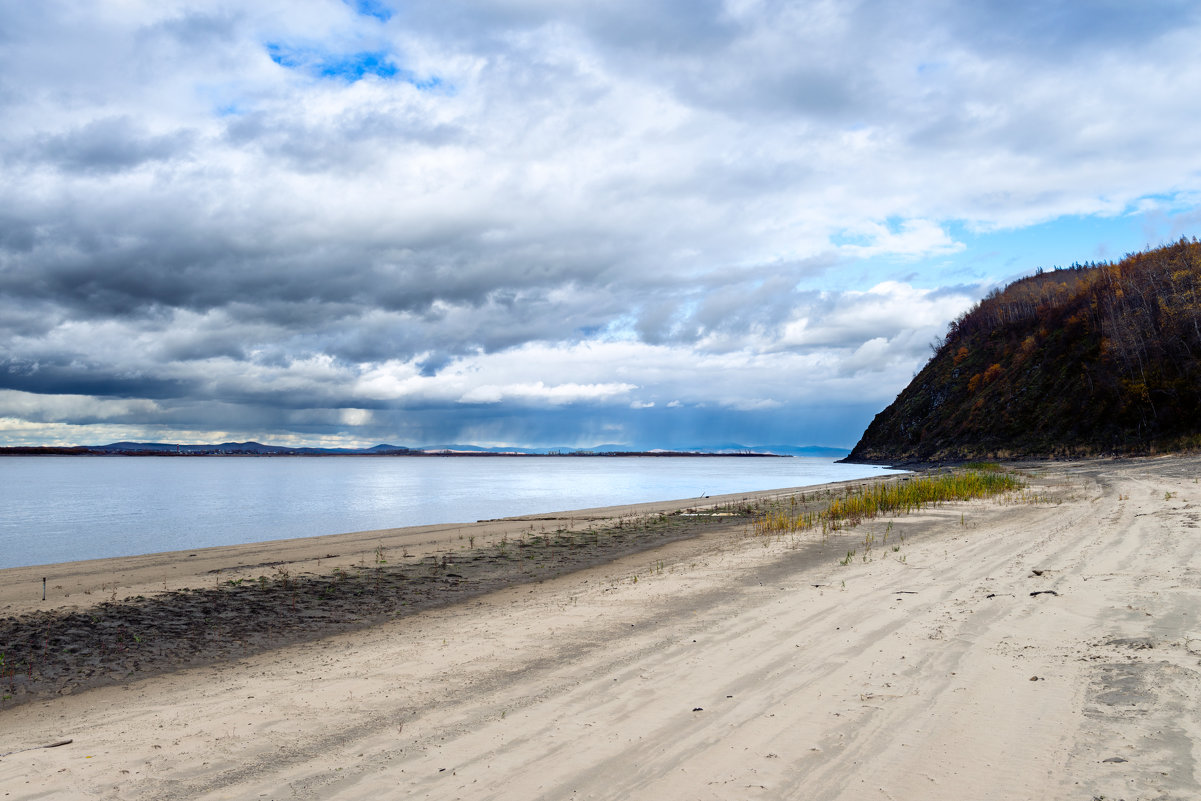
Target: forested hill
1092,359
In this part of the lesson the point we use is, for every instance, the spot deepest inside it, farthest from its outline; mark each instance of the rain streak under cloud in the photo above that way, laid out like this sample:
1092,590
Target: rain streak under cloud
658,224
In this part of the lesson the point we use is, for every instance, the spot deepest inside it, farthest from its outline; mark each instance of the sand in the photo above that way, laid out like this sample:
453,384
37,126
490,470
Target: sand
1045,647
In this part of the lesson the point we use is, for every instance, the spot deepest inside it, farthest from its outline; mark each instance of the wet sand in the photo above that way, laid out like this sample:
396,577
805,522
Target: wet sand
1047,648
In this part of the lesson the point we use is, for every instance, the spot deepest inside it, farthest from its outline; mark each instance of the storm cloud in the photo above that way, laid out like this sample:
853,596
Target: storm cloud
659,224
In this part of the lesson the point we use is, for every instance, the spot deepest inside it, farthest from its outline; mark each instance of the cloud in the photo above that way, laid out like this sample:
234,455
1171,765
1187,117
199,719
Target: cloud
910,239
888,311
111,144
537,391
80,409
340,219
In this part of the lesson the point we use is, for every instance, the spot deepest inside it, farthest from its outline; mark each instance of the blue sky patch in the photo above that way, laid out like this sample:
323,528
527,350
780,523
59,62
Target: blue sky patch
350,67
370,8
356,66
285,56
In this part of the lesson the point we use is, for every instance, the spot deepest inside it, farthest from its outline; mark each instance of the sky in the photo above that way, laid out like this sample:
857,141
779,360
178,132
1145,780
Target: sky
681,223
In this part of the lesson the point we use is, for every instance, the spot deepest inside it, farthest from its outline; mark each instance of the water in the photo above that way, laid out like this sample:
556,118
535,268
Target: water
58,509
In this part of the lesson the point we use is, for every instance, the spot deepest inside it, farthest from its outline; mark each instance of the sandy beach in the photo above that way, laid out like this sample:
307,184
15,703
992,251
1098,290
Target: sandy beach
1046,645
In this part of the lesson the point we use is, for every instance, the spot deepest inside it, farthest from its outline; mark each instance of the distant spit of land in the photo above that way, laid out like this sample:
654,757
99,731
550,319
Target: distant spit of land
258,449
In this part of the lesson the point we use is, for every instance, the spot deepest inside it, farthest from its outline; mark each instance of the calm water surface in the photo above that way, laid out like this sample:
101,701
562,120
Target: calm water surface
63,508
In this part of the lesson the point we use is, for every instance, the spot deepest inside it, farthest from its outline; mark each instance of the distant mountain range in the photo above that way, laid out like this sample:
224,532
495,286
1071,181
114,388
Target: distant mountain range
259,449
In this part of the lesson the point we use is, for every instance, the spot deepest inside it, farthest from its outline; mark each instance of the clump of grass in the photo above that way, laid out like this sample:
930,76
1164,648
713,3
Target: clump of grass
896,497
984,467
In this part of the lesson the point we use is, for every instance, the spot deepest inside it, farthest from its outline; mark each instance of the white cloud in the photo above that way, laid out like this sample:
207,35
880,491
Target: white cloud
914,239
756,404
62,408
356,417
537,391
888,310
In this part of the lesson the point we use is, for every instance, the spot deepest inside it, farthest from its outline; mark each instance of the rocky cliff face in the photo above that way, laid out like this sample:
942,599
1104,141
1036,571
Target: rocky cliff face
1099,358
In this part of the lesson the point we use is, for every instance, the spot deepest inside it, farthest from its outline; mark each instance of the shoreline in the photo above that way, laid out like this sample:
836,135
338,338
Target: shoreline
113,621
86,581
206,452
1043,646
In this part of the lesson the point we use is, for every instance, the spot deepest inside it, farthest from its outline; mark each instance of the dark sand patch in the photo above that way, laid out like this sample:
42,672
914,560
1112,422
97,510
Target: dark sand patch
63,650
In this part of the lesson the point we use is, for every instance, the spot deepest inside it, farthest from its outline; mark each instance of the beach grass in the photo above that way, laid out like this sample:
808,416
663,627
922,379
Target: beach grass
836,511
